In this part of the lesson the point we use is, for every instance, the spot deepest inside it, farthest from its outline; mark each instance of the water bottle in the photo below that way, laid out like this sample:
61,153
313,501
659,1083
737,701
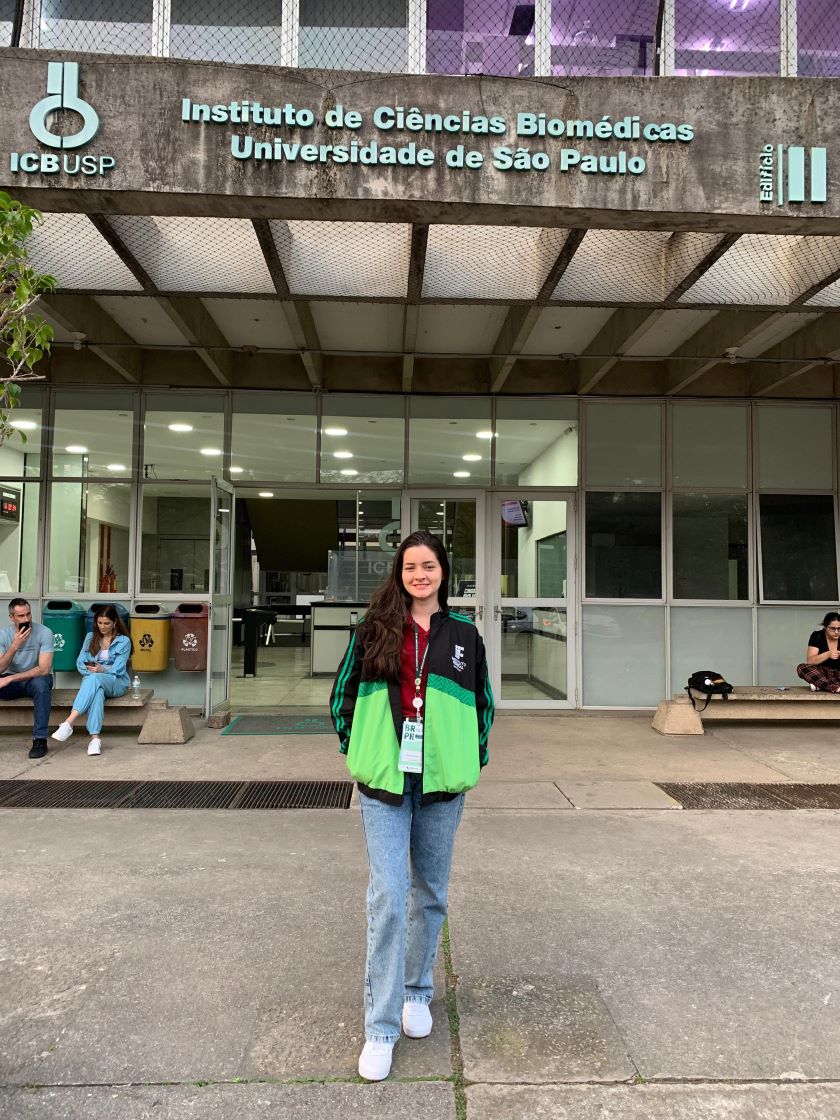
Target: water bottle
135,687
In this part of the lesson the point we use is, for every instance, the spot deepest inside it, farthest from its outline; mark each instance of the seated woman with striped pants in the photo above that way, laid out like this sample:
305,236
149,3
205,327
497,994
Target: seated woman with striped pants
103,663
822,668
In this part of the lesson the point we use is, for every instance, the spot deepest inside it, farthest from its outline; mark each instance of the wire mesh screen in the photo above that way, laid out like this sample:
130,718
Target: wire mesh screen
818,38
727,37
494,37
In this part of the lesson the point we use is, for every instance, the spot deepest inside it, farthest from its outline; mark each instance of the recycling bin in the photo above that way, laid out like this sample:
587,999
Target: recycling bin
189,636
122,611
151,629
66,619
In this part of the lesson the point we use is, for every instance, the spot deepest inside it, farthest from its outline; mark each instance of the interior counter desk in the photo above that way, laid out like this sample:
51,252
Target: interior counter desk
332,625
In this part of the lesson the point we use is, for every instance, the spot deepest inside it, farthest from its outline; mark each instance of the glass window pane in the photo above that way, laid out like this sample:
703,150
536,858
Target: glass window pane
794,448
623,546
20,454
711,558
176,539
709,445
798,552
18,537
93,434
183,435
536,443
611,39
818,38
354,35
238,32
362,439
89,537
734,37
533,535
444,444
783,634
493,37
454,523
7,16
711,638
623,445
94,25
273,438
533,648
623,656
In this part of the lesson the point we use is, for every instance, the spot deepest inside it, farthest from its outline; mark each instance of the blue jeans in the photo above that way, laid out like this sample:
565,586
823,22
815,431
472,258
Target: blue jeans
410,855
40,690
91,697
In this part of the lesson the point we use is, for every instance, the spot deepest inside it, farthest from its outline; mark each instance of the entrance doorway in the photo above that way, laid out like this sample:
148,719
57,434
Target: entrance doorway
530,629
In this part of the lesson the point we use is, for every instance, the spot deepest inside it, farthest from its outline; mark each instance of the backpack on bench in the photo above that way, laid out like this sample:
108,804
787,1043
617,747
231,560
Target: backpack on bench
708,682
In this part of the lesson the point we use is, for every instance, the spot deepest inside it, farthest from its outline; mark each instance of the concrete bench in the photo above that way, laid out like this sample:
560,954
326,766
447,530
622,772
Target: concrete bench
746,702
158,722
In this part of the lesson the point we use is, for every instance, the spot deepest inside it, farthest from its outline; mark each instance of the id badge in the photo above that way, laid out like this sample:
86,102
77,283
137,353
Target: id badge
411,747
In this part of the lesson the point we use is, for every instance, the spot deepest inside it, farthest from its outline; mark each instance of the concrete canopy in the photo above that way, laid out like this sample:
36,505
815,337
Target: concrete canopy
187,261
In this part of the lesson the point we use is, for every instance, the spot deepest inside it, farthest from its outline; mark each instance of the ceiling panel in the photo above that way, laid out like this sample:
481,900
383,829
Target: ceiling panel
566,330
197,254
252,322
668,333
344,258
625,266
456,329
780,327
143,318
359,326
489,262
766,269
70,248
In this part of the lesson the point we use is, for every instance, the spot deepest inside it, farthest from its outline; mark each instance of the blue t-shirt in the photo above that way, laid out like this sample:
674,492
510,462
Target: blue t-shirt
40,641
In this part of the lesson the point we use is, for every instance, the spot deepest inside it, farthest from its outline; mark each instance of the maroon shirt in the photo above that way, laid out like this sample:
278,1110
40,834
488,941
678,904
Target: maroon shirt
407,690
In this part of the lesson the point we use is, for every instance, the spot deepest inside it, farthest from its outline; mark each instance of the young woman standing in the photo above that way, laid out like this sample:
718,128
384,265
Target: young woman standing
412,707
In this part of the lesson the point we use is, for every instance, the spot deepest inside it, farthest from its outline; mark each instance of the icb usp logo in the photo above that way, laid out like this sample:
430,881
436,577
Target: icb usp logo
62,97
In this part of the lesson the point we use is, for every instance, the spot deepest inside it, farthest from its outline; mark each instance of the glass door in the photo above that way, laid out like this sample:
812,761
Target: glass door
532,596
458,519
221,584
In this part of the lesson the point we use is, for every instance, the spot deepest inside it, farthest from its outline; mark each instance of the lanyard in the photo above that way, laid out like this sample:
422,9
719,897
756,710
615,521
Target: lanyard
418,670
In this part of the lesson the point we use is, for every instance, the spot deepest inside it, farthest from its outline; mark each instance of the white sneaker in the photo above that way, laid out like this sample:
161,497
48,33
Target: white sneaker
813,688
416,1020
63,732
375,1060
95,746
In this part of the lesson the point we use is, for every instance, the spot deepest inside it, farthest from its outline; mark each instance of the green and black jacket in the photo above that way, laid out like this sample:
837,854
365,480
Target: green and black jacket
458,712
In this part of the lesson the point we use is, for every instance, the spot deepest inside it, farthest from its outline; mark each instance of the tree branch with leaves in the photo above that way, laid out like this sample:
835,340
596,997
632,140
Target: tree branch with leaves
24,337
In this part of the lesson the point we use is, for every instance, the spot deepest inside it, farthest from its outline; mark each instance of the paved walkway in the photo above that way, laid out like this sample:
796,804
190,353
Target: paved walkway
611,956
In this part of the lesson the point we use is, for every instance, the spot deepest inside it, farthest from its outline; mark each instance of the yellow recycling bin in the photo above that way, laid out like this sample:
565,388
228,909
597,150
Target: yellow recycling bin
151,630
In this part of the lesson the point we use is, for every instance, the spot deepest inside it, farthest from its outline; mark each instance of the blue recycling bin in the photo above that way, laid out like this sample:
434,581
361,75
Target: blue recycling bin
122,611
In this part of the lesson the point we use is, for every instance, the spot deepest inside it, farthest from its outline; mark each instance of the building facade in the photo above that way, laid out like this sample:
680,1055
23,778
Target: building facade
557,281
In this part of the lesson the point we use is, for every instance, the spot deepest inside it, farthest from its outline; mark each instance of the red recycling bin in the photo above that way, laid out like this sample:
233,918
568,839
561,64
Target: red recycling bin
189,636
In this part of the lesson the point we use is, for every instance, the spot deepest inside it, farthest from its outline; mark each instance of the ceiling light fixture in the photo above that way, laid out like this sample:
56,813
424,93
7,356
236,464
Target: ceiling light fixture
335,431
210,452
266,493
236,470
348,471
471,458
180,427
342,454
75,449
460,474
24,425
116,467
483,435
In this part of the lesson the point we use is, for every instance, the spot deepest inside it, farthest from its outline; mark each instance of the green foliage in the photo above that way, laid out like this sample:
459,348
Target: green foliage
24,337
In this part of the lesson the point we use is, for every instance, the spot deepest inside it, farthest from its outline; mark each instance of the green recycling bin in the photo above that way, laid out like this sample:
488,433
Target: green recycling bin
150,633
66,619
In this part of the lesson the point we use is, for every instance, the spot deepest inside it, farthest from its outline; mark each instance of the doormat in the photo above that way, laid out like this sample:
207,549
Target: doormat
285,723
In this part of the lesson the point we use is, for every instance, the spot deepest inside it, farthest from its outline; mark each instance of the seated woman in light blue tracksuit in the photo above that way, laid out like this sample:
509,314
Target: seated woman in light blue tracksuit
103,662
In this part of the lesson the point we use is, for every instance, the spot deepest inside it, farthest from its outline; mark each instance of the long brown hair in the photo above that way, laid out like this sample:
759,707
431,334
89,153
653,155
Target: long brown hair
382,629
119,628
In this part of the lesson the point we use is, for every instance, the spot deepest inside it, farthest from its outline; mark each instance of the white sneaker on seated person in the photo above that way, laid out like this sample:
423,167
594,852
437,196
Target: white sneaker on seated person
63,732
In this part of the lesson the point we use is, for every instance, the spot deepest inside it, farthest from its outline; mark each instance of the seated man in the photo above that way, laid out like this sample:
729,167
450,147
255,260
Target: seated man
26,657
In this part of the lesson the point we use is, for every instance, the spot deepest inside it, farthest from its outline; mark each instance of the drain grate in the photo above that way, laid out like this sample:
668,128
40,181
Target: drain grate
49,794
752,795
